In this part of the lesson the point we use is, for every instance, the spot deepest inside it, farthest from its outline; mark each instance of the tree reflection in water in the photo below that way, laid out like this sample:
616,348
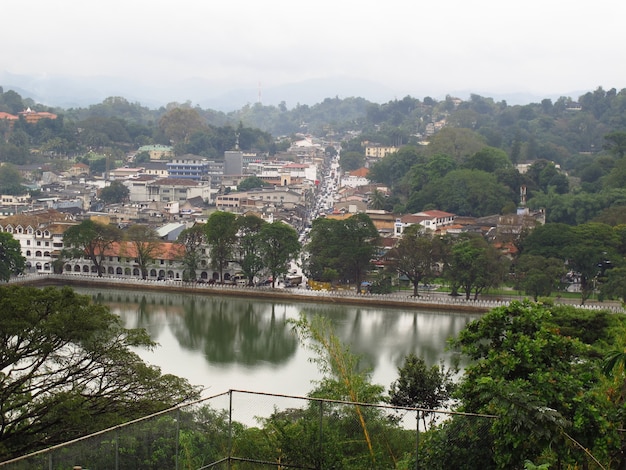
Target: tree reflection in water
246,338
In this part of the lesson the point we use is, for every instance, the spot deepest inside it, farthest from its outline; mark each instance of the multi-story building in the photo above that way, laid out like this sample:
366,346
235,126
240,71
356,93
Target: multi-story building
35,116
278,197
233,162
40,234
157,169
120,260
432,220
192,167
148,189
373,150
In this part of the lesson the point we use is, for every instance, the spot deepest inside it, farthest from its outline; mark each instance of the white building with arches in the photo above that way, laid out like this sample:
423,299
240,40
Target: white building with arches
40,234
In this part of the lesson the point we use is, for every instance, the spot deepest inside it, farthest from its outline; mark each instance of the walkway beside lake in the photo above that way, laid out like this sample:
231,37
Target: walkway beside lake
402,299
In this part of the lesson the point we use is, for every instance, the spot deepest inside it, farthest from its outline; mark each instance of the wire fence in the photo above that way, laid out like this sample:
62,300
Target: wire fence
250,430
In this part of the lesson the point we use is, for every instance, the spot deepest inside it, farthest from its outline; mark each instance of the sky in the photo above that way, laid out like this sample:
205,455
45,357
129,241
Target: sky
417,48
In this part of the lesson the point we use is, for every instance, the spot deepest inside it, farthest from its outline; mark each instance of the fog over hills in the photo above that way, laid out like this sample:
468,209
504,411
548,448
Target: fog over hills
73,92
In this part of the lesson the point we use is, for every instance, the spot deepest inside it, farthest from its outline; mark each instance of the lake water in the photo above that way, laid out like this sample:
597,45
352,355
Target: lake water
224,343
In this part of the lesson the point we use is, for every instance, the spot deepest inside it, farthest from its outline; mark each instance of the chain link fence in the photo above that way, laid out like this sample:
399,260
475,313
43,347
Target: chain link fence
249,430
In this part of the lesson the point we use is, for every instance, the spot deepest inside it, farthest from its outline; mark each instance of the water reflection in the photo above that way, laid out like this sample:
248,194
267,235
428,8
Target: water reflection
225,342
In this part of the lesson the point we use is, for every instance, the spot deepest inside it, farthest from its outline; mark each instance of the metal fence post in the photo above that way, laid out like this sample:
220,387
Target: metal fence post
417,439
321,436
177,437
117,449
230,427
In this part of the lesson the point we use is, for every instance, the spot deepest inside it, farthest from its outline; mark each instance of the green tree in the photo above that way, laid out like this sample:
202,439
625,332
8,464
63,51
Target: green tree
114,193
463,192
346,246
221,233
142,157
539,276
416,255
392,168
179,123
457,142
342,379
249,244
11,102
378,200
488,159
547,240
615,284
475,265
90,240
144,246
12,262
616,143
192,239
251,182
585,248
350,161
591,245
420,386
278,245
11,180
10,153
539,381
49,395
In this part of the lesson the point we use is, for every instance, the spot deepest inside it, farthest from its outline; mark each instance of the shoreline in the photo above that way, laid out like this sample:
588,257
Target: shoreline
402,301
395,300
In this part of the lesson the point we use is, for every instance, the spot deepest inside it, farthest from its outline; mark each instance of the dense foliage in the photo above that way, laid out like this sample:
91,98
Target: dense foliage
68,369
535,394
11,260
342,249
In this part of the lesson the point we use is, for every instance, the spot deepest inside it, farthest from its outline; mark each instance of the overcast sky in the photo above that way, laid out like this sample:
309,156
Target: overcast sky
417,48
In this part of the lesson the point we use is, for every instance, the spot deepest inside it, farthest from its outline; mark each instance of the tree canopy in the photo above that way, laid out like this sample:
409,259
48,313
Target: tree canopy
68,369
91,240
114,193
474,265
529,367
11,260
278,245
221,230
416,255
346,246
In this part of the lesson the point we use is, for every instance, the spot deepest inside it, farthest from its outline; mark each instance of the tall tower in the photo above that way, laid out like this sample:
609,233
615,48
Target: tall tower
233,163
522,209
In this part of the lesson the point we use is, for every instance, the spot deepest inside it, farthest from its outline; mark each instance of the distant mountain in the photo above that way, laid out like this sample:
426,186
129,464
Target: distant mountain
307,92
73,92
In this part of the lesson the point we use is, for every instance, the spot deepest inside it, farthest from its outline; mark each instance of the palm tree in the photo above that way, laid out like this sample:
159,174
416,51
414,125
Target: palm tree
378,200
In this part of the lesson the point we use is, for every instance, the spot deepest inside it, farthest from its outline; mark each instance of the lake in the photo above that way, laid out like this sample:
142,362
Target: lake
223,343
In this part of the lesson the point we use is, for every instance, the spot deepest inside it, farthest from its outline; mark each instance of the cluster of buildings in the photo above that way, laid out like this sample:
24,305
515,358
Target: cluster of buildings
28,115
168,193
171,193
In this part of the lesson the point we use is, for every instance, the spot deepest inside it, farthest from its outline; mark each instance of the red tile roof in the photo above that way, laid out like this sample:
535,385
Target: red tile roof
165,250
360,172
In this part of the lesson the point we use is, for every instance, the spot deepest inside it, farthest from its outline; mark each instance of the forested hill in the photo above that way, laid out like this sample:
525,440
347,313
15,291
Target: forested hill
569,125
570,133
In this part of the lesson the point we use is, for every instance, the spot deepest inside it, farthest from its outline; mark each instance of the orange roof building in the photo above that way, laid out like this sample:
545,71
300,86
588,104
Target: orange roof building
35,116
